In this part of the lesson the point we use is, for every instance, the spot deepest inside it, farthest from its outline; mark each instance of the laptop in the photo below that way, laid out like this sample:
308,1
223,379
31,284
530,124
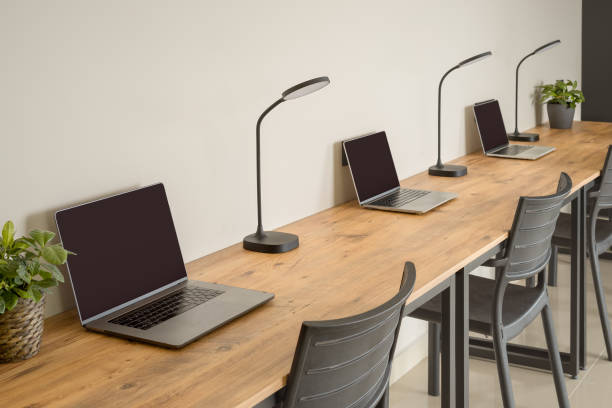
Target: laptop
375,179
494,138
129,278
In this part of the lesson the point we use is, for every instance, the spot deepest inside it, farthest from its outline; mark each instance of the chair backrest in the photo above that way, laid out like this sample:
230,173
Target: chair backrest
528,249
346,362
604,197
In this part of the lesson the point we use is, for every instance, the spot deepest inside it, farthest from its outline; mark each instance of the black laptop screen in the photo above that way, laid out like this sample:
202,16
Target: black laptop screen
371,165
490,125
126,247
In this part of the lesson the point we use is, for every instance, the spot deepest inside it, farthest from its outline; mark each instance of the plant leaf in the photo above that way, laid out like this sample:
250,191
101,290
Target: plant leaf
2,306
54,254
8,233
45,283
9,270
29,241
22,272
36,293
10,299
42,238
22,293
21,243
53,272
44,274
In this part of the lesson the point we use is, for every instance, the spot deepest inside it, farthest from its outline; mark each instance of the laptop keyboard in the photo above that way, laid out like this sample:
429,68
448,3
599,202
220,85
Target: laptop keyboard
167,307
399,198
513,150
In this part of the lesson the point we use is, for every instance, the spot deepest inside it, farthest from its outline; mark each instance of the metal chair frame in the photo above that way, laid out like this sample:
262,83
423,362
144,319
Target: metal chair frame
600,199
524,256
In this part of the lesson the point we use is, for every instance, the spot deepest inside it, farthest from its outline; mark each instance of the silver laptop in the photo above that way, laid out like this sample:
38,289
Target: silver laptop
129,278
375,179
494,138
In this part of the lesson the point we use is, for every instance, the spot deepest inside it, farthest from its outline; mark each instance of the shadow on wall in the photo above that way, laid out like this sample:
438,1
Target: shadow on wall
344,190
535,100
472,140
61,298
343,183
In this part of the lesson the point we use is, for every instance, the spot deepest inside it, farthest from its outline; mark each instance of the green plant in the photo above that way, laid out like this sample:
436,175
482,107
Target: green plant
562,92
28,265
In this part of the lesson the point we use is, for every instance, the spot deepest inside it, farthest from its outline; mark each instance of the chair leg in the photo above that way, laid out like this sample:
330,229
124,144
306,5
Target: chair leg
384,401
552,266
503,369
530,282
601,301
555,358
433,359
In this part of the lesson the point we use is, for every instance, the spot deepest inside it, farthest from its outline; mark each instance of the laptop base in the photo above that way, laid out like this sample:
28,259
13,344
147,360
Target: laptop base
190,325
271,242
448,170
419,206
524,137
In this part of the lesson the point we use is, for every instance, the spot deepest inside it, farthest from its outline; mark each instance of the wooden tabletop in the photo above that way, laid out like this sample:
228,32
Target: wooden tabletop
349,260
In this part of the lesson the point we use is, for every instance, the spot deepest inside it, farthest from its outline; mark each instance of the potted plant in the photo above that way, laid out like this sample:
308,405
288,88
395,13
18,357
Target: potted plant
28,266
561,99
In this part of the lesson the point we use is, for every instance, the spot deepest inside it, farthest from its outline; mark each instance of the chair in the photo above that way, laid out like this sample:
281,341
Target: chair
347,362
502,309
599,237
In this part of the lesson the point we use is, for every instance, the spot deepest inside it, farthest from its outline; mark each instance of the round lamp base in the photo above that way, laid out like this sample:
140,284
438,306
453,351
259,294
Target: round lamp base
524,137
271,242
448,170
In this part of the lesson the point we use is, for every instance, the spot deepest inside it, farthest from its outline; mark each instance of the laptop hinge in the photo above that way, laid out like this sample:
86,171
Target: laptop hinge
376,197
131,302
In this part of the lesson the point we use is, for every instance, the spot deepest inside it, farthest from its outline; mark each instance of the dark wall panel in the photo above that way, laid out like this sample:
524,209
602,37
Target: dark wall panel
597,60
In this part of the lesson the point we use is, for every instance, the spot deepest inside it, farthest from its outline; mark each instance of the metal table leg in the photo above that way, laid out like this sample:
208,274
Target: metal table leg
448,347
582,277
462,339
575,286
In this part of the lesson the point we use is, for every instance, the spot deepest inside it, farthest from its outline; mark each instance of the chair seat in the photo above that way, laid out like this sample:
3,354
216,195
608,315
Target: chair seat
563,230
518,301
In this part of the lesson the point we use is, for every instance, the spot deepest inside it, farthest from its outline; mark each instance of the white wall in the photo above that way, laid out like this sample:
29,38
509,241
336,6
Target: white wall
97,97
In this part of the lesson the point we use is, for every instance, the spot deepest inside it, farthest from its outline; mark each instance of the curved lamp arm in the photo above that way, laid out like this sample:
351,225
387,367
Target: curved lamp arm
439,163
536,51
260,229
516,132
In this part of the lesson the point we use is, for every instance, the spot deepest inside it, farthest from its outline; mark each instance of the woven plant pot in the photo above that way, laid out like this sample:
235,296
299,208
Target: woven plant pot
21,330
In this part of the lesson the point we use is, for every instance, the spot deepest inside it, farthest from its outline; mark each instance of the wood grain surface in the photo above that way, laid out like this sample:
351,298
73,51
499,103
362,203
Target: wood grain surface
349,260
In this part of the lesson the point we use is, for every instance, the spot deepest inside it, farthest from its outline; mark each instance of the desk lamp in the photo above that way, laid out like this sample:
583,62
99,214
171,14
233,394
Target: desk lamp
526,137
449,170
274,241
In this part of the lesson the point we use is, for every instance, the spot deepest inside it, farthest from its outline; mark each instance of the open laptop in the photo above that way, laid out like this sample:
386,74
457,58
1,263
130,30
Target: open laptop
375,179
129,278
494,138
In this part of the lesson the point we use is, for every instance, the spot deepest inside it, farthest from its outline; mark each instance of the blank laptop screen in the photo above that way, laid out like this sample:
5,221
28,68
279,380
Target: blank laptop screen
126,247
371,165
490,125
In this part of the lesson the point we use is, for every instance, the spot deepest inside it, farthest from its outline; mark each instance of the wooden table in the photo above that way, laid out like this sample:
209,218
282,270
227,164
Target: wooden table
349,260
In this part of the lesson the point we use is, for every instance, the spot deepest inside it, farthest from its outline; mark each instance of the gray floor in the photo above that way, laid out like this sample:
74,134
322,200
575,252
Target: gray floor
532,388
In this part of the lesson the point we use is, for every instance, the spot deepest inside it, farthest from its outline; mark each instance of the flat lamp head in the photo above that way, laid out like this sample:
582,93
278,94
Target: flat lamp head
547,46
306,88
474,59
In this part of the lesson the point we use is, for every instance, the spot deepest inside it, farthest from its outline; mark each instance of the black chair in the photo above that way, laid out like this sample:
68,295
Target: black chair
347,362
502,309
599,233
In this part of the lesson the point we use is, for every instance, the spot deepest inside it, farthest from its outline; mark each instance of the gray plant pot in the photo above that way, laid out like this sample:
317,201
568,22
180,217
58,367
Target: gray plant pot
560,115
